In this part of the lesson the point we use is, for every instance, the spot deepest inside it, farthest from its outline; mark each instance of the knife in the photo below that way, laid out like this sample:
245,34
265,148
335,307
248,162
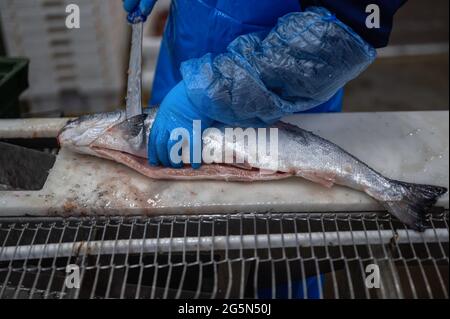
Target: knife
134,90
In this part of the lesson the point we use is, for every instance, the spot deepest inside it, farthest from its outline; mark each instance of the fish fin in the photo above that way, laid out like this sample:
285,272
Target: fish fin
415,204
131,127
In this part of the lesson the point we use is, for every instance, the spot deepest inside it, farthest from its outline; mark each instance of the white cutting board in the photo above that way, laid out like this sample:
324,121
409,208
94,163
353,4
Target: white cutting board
412,147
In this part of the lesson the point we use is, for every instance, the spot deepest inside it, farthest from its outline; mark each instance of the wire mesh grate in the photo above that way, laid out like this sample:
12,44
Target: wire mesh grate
224,256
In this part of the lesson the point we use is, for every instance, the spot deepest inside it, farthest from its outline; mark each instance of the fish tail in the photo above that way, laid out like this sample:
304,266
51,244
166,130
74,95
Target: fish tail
415,204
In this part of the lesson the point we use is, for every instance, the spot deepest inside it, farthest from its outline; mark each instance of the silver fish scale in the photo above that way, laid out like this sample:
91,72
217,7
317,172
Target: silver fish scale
307,155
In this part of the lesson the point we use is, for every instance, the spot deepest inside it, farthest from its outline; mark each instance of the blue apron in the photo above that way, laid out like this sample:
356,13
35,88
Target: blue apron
197,27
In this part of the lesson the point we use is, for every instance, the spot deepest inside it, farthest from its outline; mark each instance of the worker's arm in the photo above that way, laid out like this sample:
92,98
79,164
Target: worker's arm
299,65
353,13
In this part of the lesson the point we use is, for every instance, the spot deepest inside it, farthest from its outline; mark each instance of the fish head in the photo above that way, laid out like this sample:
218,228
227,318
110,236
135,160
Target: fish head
91,134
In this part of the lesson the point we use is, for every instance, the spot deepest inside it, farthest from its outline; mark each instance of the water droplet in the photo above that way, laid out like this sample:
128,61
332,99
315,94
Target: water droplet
414,132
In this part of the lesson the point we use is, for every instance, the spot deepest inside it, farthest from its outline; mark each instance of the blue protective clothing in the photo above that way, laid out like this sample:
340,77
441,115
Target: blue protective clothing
176,111
262,77
298,66
198,27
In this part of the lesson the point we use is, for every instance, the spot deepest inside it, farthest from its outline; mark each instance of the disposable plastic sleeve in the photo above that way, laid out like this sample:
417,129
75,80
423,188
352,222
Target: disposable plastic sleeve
297,66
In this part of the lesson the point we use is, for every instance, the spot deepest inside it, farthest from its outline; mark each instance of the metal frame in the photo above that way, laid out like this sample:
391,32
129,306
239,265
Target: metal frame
224,256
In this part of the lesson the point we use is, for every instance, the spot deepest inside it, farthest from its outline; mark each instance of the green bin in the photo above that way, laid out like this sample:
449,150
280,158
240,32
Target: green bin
13,81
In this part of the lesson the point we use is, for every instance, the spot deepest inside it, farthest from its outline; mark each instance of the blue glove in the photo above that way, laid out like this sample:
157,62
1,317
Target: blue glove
138,10
176,111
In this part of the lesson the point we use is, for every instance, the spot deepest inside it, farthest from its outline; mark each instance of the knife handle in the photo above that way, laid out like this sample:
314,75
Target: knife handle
136,17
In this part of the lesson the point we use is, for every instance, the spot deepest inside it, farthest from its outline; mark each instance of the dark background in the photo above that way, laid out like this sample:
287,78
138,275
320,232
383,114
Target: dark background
417,81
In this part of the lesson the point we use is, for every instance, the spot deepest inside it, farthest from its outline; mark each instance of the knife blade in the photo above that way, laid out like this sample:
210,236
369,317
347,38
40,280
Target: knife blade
134,90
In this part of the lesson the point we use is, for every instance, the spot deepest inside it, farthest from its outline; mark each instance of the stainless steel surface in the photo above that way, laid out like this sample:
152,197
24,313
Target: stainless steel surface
134,92
223,256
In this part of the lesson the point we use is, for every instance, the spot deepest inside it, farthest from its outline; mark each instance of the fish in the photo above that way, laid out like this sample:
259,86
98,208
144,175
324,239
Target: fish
300,154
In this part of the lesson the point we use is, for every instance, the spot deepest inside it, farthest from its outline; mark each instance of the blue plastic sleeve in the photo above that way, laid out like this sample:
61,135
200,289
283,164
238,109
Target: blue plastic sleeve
299,65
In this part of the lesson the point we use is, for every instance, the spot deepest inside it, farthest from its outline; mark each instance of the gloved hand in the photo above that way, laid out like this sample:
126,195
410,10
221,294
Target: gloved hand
138,10
176,111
